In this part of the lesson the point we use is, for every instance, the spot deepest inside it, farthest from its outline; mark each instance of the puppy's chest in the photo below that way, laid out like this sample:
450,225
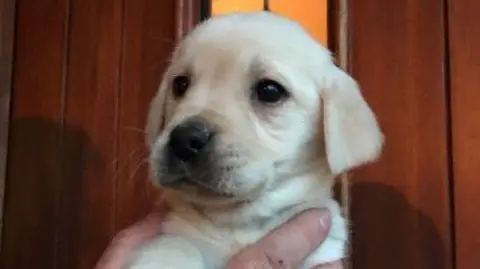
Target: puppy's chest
228,239
216,239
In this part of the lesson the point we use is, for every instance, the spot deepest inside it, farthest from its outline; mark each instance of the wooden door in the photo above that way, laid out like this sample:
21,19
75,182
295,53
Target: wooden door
401,215
464,69
83,74
418,62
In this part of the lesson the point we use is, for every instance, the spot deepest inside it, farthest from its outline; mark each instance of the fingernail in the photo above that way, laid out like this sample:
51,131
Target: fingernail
325,218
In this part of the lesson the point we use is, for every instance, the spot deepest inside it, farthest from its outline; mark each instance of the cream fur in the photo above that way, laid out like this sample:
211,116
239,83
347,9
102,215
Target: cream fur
285,157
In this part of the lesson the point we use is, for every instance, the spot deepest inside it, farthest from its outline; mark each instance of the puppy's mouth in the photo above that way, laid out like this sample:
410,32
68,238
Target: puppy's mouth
199,180
196,160
193,187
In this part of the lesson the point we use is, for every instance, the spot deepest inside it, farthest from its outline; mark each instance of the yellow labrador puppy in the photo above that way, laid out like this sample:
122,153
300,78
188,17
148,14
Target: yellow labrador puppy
250,126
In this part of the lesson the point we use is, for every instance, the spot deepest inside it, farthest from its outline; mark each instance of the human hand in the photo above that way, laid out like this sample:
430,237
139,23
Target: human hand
285,247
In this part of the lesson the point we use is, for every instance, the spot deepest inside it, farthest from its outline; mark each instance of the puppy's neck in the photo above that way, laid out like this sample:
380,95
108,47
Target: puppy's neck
293,194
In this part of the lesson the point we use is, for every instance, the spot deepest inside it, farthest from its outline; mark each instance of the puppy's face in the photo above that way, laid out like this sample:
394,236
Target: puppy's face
240,108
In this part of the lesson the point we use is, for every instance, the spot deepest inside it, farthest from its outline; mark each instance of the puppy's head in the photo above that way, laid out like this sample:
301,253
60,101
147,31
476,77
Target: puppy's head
251,99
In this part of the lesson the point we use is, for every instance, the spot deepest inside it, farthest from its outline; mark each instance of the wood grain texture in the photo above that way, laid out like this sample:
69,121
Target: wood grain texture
400,205
188,13
149,37
464,40
7,26
90,104
84,76
32,218
85,72
334,22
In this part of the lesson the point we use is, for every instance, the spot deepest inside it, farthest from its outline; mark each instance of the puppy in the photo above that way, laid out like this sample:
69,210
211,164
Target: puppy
250,126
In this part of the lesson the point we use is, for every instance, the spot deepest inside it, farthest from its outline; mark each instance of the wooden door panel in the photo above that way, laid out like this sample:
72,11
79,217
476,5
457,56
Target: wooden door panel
148,42
31,217
400,205
84,74
90,105
464,40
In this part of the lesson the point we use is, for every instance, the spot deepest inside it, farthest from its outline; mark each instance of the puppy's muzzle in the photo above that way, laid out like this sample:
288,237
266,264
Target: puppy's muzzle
189,140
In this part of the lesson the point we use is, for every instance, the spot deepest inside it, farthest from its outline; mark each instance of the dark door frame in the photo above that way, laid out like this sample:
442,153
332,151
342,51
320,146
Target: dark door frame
7,35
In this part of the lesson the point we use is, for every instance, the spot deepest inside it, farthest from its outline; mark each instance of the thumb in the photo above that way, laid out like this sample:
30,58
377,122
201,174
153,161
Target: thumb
124,244
288,245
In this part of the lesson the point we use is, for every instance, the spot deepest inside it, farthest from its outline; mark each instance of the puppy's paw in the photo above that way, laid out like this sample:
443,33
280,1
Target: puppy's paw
168,252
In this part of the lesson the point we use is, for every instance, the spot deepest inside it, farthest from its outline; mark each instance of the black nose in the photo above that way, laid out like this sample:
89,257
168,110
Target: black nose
190,138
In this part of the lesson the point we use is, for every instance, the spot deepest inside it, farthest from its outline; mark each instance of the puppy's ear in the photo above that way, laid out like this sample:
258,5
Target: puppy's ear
156,115
352,135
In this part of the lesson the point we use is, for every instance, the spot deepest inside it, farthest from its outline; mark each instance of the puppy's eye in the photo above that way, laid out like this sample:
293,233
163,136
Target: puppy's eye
269,91
180,86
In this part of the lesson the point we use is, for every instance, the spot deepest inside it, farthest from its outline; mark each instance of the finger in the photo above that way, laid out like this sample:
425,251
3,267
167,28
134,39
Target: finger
294,241
334,265
128,240
287,246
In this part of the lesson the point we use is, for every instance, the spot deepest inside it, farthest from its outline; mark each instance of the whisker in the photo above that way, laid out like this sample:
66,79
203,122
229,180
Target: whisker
138,150
137,168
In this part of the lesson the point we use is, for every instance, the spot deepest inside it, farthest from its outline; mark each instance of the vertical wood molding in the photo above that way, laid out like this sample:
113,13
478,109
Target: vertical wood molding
338,40
7,34
338,43
187,16
34,157
463,38
145,56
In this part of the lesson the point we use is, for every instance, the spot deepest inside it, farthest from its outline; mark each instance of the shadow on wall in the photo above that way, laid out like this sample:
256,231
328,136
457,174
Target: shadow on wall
45,196
52,221
389,232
